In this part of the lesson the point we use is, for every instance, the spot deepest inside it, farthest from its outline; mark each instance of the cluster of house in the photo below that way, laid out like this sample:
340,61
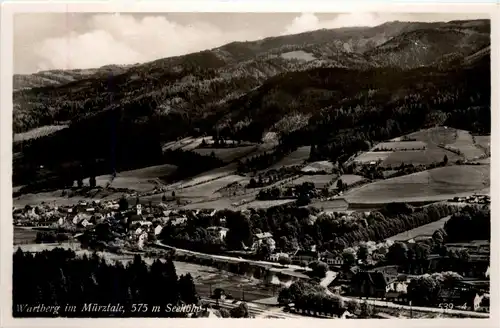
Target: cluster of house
142,222
475,199
388,284
302,256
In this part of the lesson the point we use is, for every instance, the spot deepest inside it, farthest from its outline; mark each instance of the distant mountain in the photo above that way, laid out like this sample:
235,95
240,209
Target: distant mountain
247,88
58,77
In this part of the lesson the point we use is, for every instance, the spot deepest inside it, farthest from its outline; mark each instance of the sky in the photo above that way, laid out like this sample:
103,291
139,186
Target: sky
44,41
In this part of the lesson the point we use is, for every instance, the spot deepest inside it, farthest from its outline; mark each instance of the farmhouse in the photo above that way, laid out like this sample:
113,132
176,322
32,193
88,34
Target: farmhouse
302,255
276,256
331,259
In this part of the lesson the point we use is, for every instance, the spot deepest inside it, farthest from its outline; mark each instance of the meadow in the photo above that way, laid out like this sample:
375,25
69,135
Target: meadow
425,230
296,157
433,184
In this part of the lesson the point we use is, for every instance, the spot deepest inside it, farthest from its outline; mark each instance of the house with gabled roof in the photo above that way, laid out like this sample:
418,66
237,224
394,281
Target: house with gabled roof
303,255
369,284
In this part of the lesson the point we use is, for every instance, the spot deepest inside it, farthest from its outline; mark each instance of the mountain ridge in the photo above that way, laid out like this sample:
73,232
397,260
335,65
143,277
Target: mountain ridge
242,90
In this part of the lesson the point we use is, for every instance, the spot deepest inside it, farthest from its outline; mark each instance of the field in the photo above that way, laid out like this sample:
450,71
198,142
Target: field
335,205
319,180
141,180
434,137
401,145
427,229
372,156
297,157
465,144
209,189
227,154
38,132
321,166
206,176
265,203
24,236
425,147
422,157
54,197
432,184
348,179
483,142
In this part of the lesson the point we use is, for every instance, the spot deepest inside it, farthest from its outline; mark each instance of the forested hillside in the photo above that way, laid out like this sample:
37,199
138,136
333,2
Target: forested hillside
335,89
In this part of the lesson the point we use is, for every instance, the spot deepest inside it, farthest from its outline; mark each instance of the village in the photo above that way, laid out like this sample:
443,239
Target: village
356,273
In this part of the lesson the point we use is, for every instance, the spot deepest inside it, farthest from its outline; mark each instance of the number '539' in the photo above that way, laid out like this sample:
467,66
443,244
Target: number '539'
448,306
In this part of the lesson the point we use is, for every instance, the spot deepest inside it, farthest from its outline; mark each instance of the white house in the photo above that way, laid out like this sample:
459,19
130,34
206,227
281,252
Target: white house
85,223
158,229
276,256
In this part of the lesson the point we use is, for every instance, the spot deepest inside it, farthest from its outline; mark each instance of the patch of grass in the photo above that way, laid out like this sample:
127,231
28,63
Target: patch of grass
141,180
208,189
483,142
427,229
372,156
349,179
294,158
227,154
465,144
38,132
436,136
319,180
419,157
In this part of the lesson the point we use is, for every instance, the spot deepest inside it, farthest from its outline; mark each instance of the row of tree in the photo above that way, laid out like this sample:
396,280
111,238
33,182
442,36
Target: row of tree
63,279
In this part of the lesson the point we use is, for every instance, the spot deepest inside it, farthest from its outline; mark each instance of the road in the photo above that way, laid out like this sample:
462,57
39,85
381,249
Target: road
329,277
230,258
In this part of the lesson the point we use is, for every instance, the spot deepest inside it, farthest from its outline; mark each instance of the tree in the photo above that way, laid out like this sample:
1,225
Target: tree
445,160
241,311
264,251
163,198
252,183
353,307
319,269
123,204
398,254
92,181
224,313
303,200
340,185
349,256
284,260
173,193
423,290
366,310
79,182
363,252
187,289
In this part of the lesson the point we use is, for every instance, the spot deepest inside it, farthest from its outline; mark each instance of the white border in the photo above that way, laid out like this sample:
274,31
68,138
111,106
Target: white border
6,230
